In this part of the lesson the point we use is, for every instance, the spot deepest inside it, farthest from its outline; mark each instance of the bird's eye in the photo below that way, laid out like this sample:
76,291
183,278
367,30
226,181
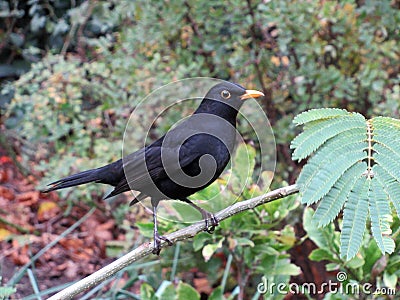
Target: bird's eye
225,94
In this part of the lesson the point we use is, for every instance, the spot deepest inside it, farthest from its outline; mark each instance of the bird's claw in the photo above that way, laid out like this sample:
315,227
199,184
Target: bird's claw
211,222
157,243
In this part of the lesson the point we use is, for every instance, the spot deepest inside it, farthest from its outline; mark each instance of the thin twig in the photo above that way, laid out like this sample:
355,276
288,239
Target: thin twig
77,28
5,144
79,32
9,26
192,21
17,227
146,249
269,106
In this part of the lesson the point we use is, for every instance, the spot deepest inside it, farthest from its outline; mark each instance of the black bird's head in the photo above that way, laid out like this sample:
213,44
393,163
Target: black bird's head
225,99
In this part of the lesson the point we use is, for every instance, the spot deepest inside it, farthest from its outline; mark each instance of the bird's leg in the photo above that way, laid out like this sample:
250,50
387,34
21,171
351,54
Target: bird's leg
158,238
209,218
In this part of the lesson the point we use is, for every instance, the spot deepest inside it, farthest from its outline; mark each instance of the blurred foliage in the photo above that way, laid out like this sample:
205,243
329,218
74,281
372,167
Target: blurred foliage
302,54
6,291
87,64
30,29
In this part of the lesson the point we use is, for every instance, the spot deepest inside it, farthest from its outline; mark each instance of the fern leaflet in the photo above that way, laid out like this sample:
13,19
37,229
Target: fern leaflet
328,153
392,186
381,217
333,202
354,218
319,114
310,140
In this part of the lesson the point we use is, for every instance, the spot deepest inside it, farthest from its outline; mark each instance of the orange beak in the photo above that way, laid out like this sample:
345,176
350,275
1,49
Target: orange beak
251,94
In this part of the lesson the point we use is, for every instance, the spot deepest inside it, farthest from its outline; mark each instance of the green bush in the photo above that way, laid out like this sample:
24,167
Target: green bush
70,109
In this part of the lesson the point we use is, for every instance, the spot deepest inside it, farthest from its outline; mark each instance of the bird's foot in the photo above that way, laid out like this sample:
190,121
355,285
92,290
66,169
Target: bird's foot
210,220
157,243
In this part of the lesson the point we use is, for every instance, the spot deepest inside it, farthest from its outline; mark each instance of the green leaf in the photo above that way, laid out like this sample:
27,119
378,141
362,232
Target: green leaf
185,292
147,292
390,280
146,229
185,212
386,122
199,240
392,186
166,291
328,175
287,236
356,262
6,291
217,294
372,254
115,248
332,267
244,242
275,266
321,254
209,249
381,217
208,193
284,267
226,224
355,218
311,139
329,153
351,150
319,114
322,237
332,203
388,160
243,163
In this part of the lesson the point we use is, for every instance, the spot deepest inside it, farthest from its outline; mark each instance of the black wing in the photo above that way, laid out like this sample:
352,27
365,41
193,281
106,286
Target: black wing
146,166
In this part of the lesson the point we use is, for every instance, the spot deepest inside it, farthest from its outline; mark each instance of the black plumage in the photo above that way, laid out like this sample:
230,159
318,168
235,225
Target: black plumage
187,159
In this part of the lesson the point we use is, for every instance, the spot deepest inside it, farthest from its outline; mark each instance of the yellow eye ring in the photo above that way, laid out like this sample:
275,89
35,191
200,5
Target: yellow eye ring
225,94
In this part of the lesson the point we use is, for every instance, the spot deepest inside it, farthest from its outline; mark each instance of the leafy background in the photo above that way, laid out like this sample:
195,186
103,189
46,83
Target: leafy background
72,71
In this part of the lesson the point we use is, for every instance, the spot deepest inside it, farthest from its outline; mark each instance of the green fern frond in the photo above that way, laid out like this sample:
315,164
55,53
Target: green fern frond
329,152
319,114
391,185
388,160
333,202
328,175
354,218
386,122
379,210
310,140
356,165
387,138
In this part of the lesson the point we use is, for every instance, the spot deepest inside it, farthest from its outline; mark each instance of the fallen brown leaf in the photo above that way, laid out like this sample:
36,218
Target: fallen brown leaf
6,193
202,285
47,210
31,197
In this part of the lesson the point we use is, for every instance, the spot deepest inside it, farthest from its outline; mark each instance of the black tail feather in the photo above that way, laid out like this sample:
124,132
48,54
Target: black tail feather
111,174
73,180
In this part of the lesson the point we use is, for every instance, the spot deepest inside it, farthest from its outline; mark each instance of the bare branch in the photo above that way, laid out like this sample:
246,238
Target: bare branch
180,235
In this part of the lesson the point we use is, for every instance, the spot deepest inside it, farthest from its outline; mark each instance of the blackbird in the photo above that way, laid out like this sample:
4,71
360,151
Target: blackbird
188,158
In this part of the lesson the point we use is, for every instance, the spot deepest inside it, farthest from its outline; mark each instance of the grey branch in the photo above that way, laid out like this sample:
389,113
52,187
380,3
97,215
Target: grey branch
180,235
